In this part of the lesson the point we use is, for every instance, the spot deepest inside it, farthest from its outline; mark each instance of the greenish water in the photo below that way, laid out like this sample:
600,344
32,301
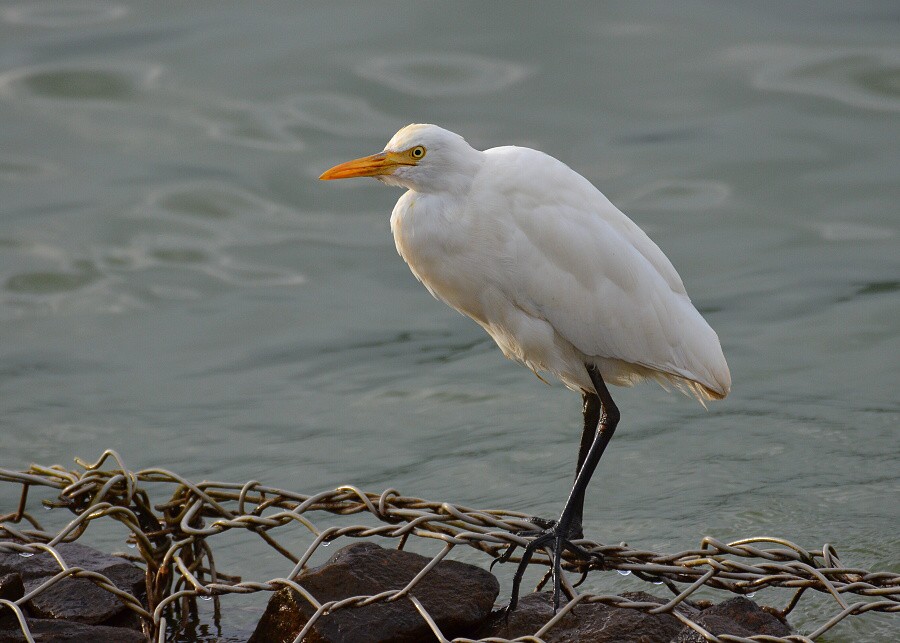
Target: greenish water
175,283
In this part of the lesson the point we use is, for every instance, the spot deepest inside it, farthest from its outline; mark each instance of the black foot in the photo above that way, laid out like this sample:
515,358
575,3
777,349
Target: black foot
543,524
549,535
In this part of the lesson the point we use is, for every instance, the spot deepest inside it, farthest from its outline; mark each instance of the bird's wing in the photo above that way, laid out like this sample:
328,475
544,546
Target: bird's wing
588,270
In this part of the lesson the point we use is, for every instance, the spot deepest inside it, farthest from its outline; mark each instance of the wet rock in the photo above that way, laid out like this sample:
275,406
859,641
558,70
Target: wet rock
586,623
458,596
737,617
43,565
598,623
55,631
11,587
76,599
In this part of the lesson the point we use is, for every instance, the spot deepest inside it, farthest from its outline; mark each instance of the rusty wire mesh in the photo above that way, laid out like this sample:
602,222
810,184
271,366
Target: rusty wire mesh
174,540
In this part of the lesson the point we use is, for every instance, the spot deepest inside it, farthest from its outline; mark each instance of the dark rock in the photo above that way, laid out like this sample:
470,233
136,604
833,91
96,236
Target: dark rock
600,623
43,565
456,595
76,599
128,577
737,617
56,631
11,587
689,609
587,622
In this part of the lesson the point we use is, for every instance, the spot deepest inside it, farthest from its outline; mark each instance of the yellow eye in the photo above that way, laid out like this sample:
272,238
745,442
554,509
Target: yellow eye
417,152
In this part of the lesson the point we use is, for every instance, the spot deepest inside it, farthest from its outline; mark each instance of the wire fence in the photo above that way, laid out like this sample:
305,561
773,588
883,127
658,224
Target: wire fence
174,545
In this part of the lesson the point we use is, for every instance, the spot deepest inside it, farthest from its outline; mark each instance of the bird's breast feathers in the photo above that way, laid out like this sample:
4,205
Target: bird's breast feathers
438,242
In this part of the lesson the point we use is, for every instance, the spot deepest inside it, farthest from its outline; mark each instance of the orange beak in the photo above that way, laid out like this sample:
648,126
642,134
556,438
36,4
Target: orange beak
375,165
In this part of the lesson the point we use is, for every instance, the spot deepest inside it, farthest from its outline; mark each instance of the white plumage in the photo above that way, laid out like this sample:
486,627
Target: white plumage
544,262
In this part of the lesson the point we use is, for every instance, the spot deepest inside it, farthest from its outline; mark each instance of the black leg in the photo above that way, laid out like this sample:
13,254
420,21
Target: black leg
606,426
591,410
557,536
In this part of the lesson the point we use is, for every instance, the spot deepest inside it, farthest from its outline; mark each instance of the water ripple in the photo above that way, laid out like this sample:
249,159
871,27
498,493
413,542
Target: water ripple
182,242
24,169
339,114
432,75
219,218
248,124
874,288
101,83
868,78
849,231
42,283
206,204
679,195
56,292
122,102
72,13
128,104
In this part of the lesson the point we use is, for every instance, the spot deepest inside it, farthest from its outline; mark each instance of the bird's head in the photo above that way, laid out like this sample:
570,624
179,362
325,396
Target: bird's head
424,158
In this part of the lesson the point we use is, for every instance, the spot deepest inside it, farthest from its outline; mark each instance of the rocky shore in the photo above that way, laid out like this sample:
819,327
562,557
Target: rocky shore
460,598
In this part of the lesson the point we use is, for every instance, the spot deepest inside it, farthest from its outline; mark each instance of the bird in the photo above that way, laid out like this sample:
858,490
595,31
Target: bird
563,281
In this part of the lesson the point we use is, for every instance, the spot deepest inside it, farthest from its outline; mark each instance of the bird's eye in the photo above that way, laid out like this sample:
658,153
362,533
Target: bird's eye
417,152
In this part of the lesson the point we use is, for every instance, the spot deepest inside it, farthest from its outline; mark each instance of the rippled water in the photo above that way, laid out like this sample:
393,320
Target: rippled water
175,284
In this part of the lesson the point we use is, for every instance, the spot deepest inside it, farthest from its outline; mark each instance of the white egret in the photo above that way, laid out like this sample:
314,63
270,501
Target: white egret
561,279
